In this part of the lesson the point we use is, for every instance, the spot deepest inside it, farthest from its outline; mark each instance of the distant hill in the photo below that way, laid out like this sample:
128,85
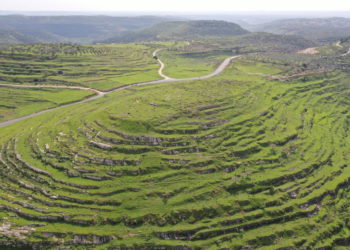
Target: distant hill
271,42
182,30
29,36
13,37
317,29
76,29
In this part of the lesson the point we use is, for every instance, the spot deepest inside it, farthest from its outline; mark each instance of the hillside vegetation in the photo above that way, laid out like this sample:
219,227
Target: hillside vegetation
97,66
107,67
16,37
182,30
256,157
15,29
197,58
20,102
317,29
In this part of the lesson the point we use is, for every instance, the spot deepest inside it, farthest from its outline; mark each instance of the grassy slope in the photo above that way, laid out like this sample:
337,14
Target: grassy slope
240,160
101,67
20,102
198,58
186,65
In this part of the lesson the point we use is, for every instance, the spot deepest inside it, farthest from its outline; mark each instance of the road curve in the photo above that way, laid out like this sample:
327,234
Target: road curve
347,52
162,66
338,44
100,94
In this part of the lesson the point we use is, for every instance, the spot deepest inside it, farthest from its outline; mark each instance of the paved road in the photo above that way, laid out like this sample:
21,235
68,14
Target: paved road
100,94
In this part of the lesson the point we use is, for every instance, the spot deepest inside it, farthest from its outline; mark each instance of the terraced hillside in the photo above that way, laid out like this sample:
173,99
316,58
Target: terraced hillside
197,58
101,67
16,102
256,157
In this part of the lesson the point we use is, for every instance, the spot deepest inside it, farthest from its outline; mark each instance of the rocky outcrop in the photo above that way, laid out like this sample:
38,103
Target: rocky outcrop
109,162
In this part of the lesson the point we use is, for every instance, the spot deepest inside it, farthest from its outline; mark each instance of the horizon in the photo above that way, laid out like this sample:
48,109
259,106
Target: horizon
185,11
273,13
178,6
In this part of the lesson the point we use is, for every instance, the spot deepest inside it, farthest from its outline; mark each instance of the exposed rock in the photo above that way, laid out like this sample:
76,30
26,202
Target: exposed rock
91,239
10,230
109,162
101,145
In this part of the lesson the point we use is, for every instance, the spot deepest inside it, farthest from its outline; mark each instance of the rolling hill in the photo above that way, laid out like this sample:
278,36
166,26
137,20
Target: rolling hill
104,147
14,37
76,29
255,157
271,42
182,30
317,29
28,37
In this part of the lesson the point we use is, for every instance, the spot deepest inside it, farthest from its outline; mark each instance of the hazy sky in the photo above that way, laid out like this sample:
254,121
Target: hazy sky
175,5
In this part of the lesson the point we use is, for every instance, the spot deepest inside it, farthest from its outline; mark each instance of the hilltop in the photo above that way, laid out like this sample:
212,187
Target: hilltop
182,30
263,41
317,29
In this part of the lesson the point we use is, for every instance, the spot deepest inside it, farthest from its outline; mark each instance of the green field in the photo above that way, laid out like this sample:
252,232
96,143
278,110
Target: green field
256,157
16,102
98,66
184,63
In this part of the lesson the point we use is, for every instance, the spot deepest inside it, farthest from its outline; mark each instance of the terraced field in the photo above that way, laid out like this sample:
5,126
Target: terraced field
256,157
184,63
101,67
16,102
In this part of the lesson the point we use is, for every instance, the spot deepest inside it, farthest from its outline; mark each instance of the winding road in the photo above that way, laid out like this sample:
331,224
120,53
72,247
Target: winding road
338,44
162,66
100,94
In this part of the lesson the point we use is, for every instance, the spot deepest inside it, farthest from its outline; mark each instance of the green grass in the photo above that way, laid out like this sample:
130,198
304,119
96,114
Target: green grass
17,102
233,161
258,68
98,66
186,64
